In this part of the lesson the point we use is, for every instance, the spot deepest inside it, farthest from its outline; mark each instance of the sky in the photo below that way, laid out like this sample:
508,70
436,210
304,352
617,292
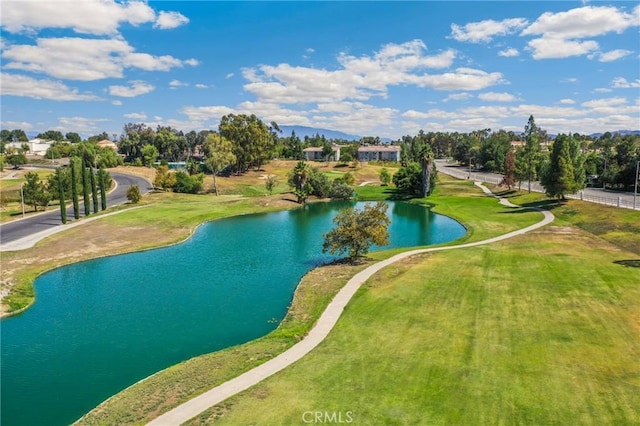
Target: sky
383,69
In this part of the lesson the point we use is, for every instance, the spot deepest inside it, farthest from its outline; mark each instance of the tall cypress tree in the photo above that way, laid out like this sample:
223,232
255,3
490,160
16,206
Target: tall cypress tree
86,185
63,202
102,181
74,187
94,190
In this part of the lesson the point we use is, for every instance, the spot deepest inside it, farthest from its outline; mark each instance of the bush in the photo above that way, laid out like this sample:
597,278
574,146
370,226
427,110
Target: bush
133,194
349,179
188,184
341,191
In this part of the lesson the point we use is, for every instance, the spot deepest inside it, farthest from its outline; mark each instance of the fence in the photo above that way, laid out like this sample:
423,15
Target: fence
536,187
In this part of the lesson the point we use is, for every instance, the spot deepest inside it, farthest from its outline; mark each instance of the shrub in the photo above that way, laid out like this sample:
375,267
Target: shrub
133,194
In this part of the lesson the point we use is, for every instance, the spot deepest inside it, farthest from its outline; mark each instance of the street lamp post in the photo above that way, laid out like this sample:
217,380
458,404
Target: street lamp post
470,158
604,173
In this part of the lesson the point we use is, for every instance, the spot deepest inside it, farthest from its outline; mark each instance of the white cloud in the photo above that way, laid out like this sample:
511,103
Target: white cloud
139,116
484,31
16,125
97,17
555,47
622,83
174,84
589,21
562,32
570,80
169,20
137,88
457,97
613,55
363,77
82,59
20,85
116,103
82,125
509,52
496,97
201,86
602,90
607,102
567,101
192,62
204,113
230,75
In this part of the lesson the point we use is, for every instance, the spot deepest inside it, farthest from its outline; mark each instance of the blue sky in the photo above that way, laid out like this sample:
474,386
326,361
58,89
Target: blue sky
369,68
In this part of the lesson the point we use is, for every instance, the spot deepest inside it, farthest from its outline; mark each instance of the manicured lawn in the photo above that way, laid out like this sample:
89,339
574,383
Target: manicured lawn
540,329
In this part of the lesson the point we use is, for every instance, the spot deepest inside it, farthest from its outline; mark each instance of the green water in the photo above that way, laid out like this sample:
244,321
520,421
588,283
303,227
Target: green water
99,326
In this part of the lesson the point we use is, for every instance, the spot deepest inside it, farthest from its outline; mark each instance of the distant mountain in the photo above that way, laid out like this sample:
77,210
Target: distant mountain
619,132
302,131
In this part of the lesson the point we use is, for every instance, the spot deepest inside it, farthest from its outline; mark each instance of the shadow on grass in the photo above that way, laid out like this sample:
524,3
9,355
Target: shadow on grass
631,263
548,204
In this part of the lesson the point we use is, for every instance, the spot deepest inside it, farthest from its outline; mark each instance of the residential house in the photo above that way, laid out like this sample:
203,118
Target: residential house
314,153
379,153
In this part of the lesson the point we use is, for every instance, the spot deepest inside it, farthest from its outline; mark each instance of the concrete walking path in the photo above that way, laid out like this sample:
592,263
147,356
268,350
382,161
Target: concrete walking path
319,332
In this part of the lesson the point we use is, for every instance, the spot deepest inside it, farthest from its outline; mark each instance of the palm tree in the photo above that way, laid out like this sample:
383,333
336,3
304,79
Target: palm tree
425,157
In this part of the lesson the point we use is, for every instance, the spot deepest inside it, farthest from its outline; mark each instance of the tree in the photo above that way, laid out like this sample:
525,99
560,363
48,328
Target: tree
385,177
509,178
35,191
270,183
51,135
560,177
17,160
253,142
103,181
408,179
425,158
94,190
327,151
164,178
150,155
531,150
218,155
75,171
86,189
356,231
73,137
298,181
61,197
133,194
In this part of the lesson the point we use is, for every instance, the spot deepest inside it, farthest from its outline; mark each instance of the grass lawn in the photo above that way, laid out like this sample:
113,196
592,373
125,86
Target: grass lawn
539,329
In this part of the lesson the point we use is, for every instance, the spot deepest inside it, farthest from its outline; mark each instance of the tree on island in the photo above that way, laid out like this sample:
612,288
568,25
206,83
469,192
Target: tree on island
356,230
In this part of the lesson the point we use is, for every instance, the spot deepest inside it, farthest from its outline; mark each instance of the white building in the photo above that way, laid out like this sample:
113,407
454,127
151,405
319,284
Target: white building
314,153
379,153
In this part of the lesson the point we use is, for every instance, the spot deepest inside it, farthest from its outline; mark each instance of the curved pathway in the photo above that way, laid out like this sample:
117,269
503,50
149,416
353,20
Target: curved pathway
319,332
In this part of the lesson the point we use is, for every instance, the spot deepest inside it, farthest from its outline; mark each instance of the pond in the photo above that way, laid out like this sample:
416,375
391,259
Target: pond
99,326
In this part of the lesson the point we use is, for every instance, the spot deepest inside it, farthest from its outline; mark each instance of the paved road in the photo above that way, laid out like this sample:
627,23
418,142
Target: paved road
318,333
598,195
21,228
